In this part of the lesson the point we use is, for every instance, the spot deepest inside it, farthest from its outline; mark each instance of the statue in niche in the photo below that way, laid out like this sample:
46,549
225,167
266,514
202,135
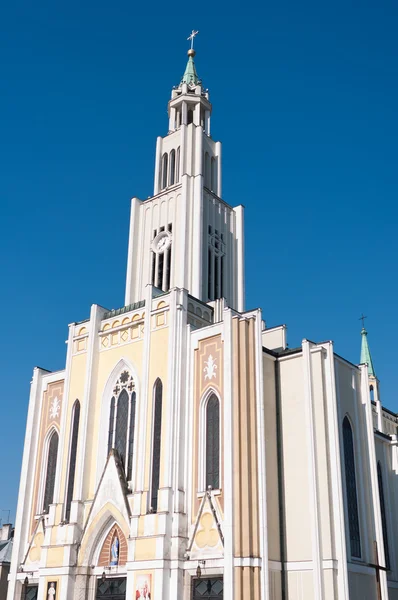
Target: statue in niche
115,551
52,590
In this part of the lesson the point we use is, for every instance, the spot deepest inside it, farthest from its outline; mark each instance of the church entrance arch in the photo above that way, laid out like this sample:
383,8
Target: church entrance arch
112,588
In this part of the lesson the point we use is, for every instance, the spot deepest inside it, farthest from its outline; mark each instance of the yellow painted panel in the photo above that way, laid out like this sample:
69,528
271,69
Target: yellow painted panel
158,364
76,391
55,557
145,549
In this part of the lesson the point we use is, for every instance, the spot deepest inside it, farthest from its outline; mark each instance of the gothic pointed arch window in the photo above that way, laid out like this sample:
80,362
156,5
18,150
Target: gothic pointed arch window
383,515
351,489
178,165
213,174
122,415
111,431
121,426
72,457
131,436
51,469
213,442
172,167
164,174
215,265
207,170
156,443
372,393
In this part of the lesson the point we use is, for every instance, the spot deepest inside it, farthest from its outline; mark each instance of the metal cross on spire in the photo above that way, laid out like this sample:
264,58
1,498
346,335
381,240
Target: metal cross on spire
192,37
362,318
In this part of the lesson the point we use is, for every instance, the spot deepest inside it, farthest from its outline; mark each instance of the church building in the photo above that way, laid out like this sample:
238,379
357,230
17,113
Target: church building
184,451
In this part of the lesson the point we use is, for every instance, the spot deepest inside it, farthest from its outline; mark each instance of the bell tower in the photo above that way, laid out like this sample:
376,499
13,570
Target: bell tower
185,235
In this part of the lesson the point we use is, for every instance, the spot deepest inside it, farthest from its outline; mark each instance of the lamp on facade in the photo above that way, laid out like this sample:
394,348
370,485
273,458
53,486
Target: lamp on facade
26,582
103,577
198,571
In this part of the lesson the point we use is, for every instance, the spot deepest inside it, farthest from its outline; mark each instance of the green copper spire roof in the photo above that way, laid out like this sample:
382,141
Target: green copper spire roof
190,76
365,353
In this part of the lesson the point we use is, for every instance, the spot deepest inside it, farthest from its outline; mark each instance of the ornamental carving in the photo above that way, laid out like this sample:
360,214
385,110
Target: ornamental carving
210,367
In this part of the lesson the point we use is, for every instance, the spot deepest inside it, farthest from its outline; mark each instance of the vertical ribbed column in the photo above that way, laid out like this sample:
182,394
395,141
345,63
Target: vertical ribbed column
246,516
197,225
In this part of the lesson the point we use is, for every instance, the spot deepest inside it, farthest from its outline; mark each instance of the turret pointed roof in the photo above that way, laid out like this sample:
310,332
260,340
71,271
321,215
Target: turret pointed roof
365,353
190,76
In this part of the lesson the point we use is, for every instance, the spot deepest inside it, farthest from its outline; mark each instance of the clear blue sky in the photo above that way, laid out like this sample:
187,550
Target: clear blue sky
305,98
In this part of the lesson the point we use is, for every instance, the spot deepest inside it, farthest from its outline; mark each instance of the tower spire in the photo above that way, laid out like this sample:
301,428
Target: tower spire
190,76
365,351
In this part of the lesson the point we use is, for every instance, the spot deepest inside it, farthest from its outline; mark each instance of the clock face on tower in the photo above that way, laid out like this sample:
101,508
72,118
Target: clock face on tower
161,242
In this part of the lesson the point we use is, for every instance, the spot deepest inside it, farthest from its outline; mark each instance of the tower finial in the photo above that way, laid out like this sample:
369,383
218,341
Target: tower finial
366,357
192,36
190,76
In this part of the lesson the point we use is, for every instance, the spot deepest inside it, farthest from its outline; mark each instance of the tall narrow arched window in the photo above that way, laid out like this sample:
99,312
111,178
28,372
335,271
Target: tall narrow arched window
178,165
190,116
213,174
111,428
131,436
213,442
351,489
372,393
164,170
172,167
156,445
122,421
207,170
122,425
51,469
383,515
72,457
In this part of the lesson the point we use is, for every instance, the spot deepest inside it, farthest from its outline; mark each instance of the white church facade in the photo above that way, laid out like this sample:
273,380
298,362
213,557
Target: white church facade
185,452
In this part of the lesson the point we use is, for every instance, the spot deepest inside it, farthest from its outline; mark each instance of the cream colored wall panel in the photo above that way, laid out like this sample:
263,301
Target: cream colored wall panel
158,367
323,480
348,394
271,455
300,585
295,461
330,584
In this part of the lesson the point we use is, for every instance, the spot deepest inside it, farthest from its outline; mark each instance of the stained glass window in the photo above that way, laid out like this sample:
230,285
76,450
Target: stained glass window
351,489
213,442
212,588
111,425
131,436
122,421
157,432
383,515
122,414
50,472
72,459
